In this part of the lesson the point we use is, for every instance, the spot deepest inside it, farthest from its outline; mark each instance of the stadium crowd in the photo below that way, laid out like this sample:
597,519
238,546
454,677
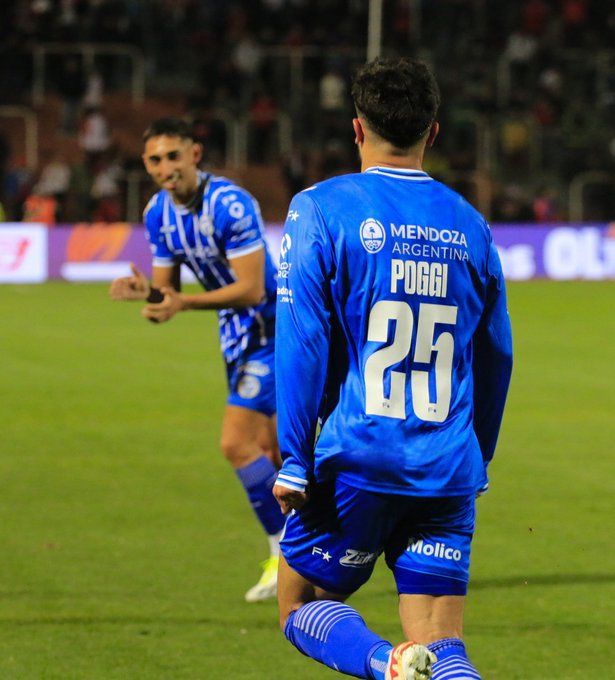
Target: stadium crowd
529,89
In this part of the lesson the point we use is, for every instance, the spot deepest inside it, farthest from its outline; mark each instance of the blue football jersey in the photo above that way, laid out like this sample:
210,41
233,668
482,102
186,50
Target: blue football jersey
393,334
223,222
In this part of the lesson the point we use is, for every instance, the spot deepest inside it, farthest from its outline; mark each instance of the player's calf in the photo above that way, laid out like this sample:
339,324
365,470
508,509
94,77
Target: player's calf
452,661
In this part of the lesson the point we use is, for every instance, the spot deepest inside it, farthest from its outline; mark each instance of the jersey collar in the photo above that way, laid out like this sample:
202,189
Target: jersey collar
197,200
400,173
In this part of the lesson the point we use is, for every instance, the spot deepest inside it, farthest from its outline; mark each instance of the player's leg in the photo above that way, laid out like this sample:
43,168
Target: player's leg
431,566
438,623
268,441
241,430
249,442
329,550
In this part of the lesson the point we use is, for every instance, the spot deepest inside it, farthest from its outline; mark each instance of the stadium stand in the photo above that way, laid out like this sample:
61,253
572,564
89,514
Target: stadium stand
528,128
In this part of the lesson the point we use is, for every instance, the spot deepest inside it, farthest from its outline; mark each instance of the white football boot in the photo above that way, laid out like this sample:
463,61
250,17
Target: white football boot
410,661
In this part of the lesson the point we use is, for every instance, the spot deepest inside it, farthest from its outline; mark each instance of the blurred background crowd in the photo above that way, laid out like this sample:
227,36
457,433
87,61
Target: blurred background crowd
527,120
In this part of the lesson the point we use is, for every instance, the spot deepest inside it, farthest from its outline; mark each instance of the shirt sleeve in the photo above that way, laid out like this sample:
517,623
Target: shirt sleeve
161,254
492,365
302,337
238,219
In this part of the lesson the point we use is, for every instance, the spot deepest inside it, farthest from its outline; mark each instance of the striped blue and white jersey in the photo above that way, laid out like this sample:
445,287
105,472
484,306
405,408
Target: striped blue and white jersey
394,333
222,222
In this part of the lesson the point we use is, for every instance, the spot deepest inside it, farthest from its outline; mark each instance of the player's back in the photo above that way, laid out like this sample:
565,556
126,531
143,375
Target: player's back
409,264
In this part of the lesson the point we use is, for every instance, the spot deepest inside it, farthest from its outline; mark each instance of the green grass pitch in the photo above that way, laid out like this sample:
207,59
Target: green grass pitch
127,544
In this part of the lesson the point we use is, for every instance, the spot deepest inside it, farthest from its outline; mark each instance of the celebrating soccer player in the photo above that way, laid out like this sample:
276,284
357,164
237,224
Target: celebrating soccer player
215,228
394,337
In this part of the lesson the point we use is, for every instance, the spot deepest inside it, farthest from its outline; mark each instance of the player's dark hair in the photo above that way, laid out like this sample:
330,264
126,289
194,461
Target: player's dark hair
171,127
399,98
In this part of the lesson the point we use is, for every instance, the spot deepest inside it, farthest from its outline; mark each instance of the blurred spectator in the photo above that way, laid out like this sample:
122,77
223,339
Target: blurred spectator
71,88
18,181
333,103
247,58
5,154
295,170
332,91
512,205
574,17
263,124
334,160
94,90
544,205
105,192
515,139
40,208
563,102
520,51
54,181
210,132
94,136
535,14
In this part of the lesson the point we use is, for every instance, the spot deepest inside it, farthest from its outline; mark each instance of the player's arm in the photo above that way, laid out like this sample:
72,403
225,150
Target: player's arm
492,365
247,290
133,287
302,345
165,271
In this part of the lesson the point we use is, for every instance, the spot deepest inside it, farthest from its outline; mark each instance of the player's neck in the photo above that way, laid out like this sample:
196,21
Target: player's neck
190,198
383,157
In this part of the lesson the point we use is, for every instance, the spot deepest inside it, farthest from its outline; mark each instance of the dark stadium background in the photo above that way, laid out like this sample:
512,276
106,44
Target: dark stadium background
528,114
126,544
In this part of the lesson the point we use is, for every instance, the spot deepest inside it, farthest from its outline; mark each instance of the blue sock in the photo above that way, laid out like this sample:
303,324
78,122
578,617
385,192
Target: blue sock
258,478
334,634
453,662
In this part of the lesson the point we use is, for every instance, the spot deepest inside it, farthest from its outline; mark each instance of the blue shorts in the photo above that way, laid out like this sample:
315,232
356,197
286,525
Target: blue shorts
336,538
251,380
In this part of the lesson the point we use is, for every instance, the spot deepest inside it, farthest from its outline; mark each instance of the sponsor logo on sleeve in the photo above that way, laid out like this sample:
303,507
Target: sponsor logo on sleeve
285,245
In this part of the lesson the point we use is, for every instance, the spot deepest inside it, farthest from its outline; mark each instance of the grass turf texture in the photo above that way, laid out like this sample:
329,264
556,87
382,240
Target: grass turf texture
128,545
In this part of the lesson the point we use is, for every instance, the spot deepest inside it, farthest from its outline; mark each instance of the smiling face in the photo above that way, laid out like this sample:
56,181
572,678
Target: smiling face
171,161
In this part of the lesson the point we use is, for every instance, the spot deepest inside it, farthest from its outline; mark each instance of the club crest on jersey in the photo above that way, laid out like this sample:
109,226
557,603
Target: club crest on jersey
372,235
206,225
248,387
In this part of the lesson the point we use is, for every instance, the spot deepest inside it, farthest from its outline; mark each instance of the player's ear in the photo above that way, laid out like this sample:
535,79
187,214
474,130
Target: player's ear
197,152
359,134
433,133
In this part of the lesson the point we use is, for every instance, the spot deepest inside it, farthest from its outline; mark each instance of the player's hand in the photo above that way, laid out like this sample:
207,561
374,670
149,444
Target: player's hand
165,310
289,499
135,287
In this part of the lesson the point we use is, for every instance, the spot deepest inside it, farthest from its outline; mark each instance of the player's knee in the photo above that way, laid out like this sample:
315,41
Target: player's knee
285,612
237,452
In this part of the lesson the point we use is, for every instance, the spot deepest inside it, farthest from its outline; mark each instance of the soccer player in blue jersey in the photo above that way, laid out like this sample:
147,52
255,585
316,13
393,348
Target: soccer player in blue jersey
392,368
215,228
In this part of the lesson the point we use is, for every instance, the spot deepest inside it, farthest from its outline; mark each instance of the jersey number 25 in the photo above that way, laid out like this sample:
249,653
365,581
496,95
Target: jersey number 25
394,406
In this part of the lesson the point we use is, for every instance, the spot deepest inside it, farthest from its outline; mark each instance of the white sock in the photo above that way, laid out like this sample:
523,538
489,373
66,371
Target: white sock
274,544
